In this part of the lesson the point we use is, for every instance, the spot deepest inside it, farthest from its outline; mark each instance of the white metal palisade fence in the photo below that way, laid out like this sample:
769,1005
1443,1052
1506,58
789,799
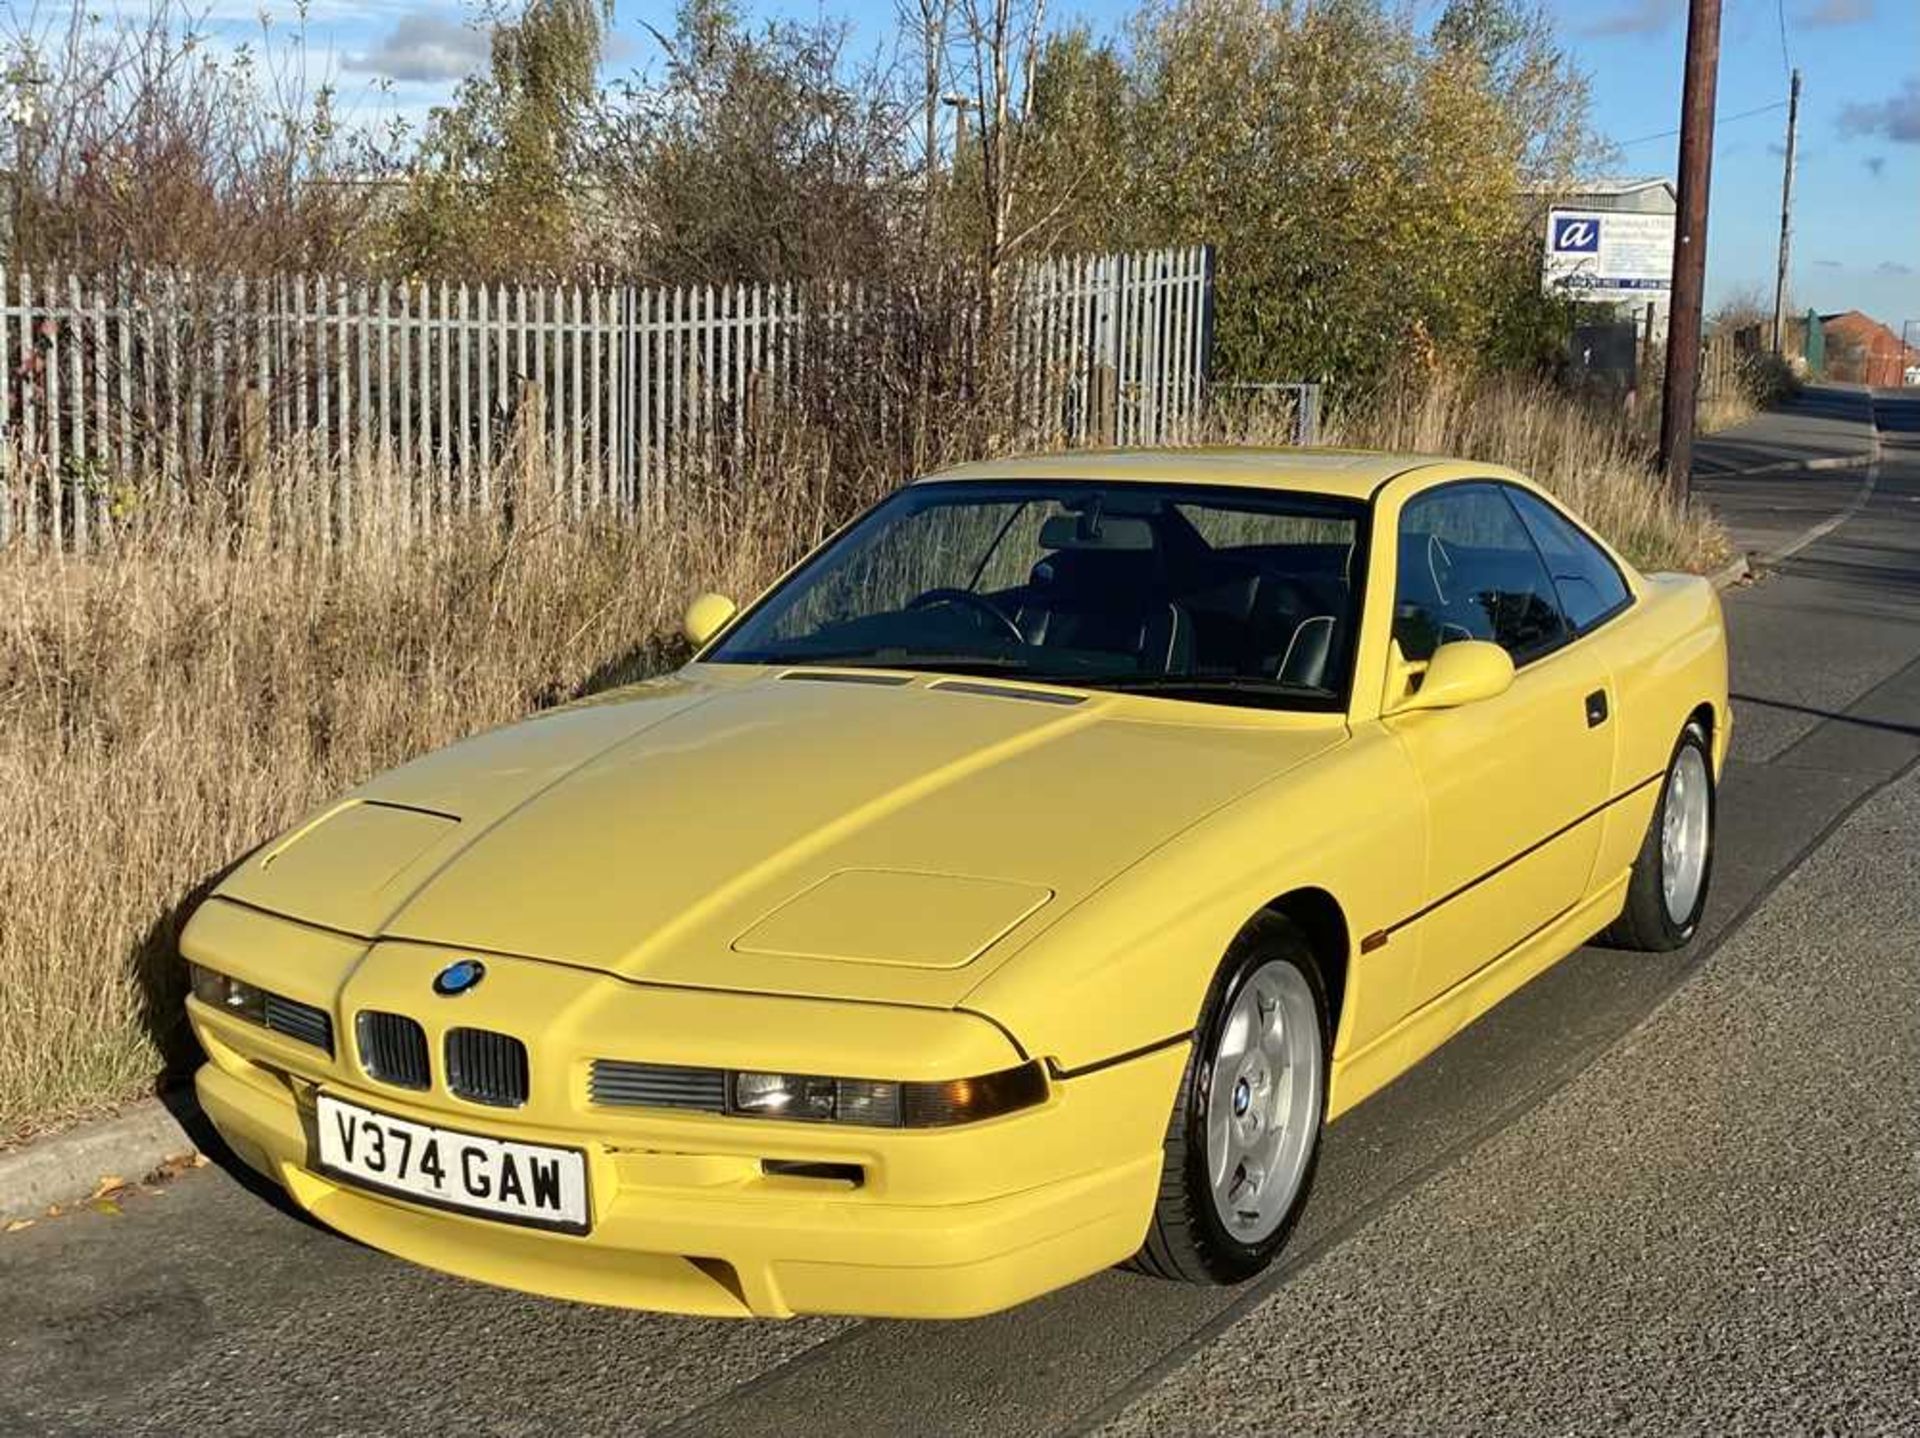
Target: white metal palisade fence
144,394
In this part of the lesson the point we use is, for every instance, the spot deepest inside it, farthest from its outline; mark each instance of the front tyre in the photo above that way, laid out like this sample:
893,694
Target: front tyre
1667,892
1244,1136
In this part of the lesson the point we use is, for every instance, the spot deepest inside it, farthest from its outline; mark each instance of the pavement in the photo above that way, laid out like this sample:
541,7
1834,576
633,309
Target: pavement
1659,1193
1821,441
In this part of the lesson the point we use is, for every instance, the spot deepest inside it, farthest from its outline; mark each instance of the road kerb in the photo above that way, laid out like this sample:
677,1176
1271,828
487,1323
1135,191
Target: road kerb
1731,573
1789,466
1769,559
68,1166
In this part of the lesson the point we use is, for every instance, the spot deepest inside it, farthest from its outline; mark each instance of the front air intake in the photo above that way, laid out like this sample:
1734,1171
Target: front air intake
299,1021
393,1049
486,1067
637,1085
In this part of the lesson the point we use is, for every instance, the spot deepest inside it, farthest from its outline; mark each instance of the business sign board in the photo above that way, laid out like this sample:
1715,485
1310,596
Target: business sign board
1609,256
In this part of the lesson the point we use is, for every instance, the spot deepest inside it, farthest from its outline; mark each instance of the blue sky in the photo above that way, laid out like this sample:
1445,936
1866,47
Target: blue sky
1857,213
1857,195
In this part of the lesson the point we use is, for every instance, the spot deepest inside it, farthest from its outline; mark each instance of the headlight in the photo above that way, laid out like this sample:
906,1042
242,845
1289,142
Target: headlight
283,1015
880,1104
230,994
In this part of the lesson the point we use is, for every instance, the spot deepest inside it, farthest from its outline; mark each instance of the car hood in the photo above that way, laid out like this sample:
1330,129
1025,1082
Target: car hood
832,835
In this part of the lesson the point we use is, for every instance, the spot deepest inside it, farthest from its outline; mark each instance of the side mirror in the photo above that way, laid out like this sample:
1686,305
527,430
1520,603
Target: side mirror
706,617
1463,672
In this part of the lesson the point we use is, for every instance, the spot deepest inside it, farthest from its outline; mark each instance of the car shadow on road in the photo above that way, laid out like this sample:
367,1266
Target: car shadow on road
1854,720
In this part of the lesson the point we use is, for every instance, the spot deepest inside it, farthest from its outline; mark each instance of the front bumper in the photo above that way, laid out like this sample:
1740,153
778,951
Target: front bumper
685,1216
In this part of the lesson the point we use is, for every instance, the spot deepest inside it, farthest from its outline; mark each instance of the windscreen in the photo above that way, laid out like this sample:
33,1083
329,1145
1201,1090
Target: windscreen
1235,595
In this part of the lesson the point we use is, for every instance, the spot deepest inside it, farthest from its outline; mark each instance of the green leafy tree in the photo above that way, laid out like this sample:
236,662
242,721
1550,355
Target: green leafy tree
498,189
1368,185
1080,118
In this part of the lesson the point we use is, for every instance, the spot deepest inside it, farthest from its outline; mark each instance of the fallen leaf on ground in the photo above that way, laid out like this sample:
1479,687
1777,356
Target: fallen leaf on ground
18,1224
108,1183
106,1206
173,1167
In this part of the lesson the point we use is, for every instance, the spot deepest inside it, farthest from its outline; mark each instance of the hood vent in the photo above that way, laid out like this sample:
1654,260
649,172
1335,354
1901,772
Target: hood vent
842,676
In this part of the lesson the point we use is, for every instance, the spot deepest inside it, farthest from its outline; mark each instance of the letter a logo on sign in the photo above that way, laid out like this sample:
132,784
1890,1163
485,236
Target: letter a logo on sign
1575,236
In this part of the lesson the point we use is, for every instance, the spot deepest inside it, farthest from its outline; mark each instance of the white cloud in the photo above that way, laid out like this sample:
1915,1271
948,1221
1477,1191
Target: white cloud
426,48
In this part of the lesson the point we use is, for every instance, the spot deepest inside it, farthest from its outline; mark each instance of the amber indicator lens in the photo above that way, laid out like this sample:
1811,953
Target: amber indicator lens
968,1100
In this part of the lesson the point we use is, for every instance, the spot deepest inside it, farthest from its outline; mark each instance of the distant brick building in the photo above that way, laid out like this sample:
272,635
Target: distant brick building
1864,351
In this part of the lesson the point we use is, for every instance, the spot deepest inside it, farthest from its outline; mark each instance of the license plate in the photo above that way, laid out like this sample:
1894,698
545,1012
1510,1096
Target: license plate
529,1183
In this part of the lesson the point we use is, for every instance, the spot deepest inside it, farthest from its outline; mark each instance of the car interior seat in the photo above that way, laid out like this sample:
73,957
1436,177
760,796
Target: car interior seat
1113,600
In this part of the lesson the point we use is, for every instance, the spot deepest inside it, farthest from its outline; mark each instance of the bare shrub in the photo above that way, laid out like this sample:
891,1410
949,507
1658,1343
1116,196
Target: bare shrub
138,144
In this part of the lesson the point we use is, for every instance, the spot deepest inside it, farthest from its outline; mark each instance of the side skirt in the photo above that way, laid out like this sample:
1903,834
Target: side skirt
1421,1032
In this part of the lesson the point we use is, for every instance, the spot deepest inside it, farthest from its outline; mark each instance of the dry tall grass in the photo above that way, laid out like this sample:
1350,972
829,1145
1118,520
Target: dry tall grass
168,704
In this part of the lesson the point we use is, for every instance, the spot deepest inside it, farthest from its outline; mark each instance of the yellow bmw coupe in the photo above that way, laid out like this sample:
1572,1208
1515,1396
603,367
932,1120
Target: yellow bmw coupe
1018,887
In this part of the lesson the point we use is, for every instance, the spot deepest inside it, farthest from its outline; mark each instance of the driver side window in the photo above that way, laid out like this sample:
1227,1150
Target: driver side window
1469,570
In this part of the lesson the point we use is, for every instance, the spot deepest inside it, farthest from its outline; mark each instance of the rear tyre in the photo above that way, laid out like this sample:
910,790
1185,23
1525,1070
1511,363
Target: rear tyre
1244,1136
1668,890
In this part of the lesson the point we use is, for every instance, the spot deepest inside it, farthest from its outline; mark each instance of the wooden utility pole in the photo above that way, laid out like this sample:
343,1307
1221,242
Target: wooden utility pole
1786,218
1690,243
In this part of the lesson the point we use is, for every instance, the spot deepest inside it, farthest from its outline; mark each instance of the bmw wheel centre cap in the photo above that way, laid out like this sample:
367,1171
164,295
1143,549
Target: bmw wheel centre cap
458,977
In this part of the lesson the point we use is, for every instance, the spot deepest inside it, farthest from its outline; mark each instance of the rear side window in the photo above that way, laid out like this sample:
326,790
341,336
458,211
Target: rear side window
1468,570
1590,587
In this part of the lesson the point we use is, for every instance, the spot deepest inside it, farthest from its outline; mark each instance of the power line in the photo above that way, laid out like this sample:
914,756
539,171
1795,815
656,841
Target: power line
1724,120
1786,60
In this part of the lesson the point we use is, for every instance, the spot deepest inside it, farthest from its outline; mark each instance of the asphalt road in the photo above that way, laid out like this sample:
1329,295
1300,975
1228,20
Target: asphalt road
1667,1194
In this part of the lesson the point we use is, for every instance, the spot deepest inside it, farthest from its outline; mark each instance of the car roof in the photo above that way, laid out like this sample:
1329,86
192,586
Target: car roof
1348,473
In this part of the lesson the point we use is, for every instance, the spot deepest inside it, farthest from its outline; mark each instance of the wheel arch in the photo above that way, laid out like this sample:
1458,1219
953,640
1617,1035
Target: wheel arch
1318,915
1707,715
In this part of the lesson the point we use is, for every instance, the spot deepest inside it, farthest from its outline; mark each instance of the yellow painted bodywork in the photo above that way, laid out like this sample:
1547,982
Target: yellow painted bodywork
733,867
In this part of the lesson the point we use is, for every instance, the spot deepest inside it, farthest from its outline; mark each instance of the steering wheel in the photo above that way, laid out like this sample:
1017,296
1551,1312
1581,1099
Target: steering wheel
978,603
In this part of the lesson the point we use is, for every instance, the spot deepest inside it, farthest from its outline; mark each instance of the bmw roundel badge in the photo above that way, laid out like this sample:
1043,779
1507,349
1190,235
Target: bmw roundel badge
458,977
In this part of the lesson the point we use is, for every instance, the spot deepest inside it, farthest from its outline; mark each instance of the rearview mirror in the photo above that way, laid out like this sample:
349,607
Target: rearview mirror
706,617
1463,672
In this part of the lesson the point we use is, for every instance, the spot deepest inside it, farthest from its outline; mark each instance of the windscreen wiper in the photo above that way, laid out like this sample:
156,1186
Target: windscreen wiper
1204,684
906,659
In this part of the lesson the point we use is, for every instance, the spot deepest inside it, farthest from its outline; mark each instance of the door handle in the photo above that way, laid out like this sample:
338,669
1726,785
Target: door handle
1596,708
